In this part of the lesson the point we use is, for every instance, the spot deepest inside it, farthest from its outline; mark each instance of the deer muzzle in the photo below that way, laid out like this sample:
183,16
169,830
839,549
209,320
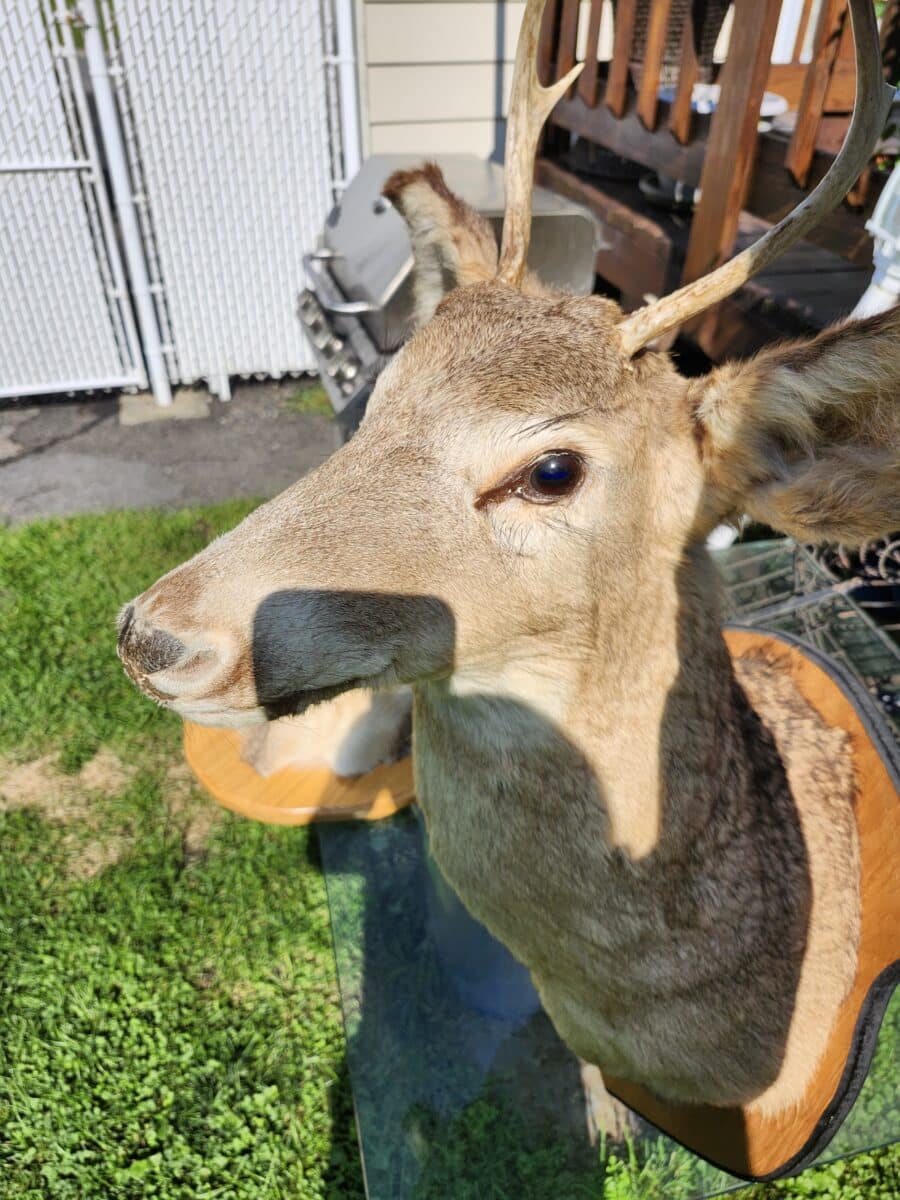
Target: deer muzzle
163,666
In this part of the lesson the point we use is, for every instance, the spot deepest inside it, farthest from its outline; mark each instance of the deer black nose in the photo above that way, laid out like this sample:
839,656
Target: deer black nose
146,650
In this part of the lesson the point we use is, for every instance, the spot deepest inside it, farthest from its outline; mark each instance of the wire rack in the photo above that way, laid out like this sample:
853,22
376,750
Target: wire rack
785,587
876,568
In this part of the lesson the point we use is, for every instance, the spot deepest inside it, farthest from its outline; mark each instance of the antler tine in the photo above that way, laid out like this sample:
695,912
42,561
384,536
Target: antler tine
873,100
529,106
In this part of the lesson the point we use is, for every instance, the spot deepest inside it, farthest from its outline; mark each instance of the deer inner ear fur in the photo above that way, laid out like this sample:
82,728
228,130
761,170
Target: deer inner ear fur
452,244
806,437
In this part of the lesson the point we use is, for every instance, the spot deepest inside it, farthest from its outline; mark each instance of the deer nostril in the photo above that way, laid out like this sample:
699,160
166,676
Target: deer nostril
146,652
158,651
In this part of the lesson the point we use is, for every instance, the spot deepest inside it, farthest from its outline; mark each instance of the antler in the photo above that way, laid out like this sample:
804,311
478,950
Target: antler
873,99
529,107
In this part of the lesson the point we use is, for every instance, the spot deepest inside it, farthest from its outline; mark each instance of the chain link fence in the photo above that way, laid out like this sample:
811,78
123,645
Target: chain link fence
65,318
227,115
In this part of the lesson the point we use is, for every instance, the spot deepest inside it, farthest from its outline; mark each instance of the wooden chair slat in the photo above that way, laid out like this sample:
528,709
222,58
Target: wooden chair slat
648,93
890,39
805,18
617,84
688,70
789,79
547,42
587,84
815,88
858,194
627,136
568,36
732,141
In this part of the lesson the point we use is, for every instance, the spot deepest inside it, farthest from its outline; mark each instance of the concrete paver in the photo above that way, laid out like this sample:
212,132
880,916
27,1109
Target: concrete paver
188,404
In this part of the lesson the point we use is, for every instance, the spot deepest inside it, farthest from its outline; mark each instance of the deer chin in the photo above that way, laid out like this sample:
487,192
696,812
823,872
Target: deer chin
199,713
292,704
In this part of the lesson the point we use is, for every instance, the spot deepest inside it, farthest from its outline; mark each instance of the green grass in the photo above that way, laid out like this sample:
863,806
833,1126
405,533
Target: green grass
169,1017
310,398
169,1025
61,586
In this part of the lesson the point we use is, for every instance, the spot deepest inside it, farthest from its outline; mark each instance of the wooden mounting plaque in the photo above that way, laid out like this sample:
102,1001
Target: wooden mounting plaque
743,1141
292,795
738,1140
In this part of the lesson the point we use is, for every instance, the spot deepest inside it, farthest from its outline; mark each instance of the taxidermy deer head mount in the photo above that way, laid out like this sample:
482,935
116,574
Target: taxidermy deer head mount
517,530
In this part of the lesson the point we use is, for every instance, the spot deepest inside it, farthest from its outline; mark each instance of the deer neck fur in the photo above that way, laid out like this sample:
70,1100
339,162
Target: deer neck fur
608,694
642,835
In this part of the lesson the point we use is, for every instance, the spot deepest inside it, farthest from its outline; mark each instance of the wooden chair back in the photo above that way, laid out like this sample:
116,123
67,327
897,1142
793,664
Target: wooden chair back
617,106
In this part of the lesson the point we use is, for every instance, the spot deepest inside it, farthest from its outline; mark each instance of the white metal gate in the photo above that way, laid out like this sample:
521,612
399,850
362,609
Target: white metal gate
214,124
226,116
65,318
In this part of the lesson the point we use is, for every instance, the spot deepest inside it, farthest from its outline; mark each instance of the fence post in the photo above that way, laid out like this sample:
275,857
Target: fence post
349,100
114,148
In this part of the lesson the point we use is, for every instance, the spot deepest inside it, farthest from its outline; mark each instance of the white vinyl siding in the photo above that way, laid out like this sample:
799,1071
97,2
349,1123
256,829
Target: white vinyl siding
440,32
483,138
436,73
437,92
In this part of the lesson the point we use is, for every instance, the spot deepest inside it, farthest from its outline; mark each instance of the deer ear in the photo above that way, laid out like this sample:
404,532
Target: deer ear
452,244
806,437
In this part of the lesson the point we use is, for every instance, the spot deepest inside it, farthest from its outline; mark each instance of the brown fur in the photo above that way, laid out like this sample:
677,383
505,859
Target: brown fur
669,848
450,240
806,437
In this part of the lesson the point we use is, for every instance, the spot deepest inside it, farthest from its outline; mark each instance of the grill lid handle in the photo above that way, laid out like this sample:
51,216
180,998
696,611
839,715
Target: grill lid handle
340,308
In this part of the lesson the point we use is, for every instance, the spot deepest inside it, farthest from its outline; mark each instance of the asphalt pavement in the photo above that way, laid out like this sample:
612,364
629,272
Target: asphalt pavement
61,457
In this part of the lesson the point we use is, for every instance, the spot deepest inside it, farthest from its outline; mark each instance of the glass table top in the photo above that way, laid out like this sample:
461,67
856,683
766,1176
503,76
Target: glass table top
463,1090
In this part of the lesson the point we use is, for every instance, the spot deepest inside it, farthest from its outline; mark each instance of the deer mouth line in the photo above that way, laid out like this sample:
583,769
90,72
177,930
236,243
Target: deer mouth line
210,712
294,704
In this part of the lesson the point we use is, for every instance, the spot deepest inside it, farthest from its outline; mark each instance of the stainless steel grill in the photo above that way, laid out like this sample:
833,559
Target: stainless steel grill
356,309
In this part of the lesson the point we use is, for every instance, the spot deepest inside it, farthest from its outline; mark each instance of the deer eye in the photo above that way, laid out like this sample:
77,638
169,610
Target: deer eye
555,475
551,477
